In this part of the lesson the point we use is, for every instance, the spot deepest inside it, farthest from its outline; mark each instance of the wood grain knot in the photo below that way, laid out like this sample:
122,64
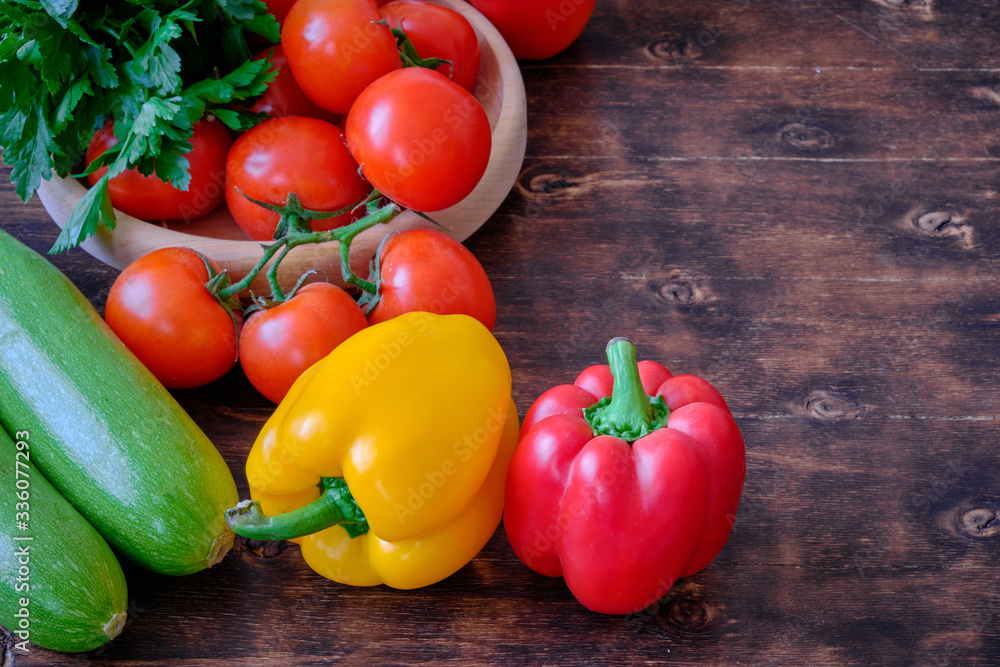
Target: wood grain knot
674,49
806,137
830,407
980,522
262,548
934,221
987,94
686,615
941,224
538,183
680,288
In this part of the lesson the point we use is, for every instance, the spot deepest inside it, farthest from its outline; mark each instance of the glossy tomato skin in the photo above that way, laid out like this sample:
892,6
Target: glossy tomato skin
427,270
149,198
437,31
336,48
296,154
537,29
284,97
160,308
279,343
421,139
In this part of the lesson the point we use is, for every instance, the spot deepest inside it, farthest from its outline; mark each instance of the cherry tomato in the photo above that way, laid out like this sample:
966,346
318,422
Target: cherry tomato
427,270
283,96
281,342
291,154
149,198
160,308
279,8
437,31
421,139
537,29
336,48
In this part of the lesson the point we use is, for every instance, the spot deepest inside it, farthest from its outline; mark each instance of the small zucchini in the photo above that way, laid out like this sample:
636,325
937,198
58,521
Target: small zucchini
104,431
60,585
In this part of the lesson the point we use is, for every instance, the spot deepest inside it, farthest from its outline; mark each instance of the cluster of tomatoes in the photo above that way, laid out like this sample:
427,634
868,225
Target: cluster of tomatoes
349,113
160,308
341,99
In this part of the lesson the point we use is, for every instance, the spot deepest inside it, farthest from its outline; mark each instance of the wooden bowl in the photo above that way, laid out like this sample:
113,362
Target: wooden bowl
499,89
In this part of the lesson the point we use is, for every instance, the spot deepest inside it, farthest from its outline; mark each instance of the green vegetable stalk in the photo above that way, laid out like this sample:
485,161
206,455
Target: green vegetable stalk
156,68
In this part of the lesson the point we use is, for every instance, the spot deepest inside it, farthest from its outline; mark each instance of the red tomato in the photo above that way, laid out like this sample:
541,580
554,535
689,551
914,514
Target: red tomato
283,96
437,31
279,343
159,307
421,139
427,270
537,29
336,48
149,198
279,8
291,154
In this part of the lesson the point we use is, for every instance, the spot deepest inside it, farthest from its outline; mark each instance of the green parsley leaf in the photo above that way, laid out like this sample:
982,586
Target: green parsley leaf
60,10
254,17
92,211
155,68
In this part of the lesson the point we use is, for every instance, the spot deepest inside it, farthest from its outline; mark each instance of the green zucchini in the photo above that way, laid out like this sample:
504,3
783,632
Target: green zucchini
104,431
60,585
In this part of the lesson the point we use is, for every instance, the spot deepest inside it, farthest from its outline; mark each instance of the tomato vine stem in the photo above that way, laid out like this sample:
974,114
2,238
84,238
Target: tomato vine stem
293,231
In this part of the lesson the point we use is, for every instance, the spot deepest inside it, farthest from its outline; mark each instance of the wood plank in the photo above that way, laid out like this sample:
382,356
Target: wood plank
821,245
804,114
711,618
772,298
747,34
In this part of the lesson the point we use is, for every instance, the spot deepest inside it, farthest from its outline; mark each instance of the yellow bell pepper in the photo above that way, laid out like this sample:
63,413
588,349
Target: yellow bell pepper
386,460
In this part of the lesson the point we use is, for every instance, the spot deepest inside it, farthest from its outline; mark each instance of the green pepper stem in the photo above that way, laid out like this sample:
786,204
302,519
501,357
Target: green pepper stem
629,413
334,506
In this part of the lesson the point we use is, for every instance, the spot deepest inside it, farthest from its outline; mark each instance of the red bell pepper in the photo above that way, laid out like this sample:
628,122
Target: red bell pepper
624,481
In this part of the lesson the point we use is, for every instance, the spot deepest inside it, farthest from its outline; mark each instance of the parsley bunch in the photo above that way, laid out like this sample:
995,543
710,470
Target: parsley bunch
156,68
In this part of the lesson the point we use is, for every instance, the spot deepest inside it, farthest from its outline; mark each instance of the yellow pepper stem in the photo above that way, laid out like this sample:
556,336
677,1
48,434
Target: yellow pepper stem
335,505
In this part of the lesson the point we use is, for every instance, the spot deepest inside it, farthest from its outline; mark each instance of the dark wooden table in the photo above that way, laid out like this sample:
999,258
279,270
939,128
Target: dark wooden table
797,200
